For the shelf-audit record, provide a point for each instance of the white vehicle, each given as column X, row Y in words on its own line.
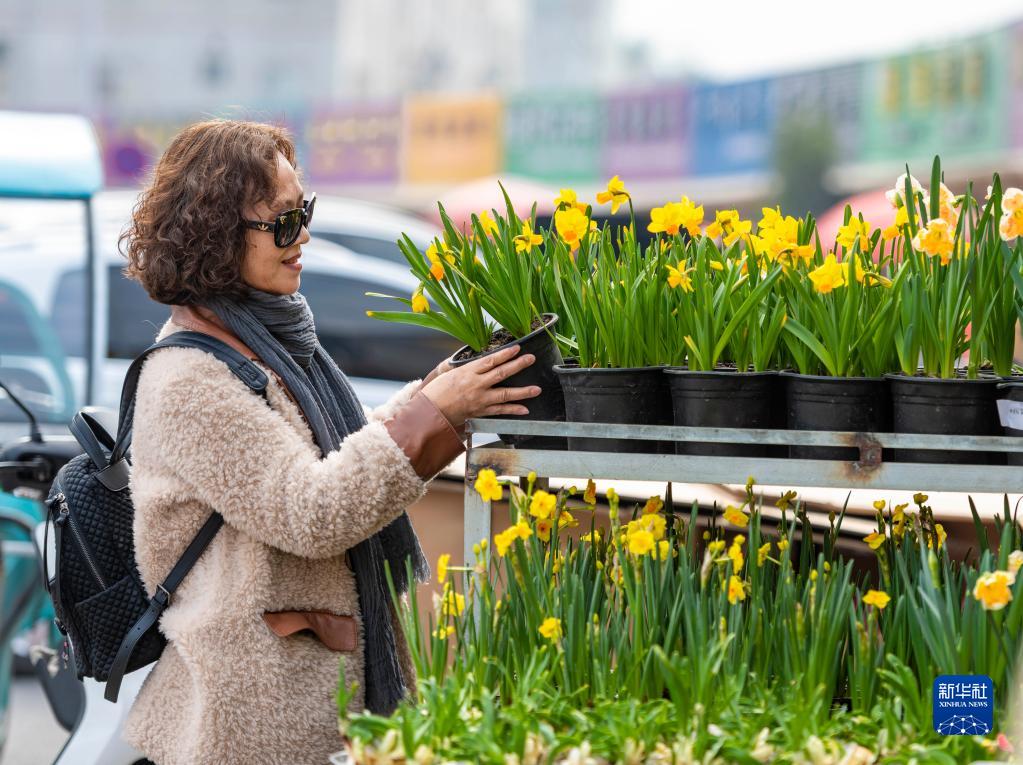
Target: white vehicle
column 369, row 229
column 41, row 254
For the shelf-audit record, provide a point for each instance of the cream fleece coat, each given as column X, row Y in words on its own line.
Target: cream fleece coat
column 227, row 690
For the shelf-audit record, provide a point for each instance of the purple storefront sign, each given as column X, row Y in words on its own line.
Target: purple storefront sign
column 647, row 134
column 357, row 144
column 1016, row 86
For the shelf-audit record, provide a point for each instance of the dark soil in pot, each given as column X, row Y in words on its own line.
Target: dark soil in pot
column 550, row 404
column 1010, row 413
column 856, row 404
column 952, row 407
column 632, row 396
column 726, row 399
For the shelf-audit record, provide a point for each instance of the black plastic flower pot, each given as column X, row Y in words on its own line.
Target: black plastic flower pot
column 856, row 404
column 1010, row 413
column 726, row 399
column 947, row 407
column 550, row 404
column 630, row 396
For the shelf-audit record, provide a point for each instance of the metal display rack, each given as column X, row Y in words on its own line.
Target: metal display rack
column 870, row 471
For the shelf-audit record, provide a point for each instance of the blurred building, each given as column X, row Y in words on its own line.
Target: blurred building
column 388, row 48
column 144, row 57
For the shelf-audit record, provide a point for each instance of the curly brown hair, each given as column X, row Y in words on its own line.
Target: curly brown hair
column 186, row 240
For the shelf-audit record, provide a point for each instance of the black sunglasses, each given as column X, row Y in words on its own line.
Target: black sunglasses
column 287, row 225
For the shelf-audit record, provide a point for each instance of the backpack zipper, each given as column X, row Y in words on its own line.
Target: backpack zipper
column 65, row 517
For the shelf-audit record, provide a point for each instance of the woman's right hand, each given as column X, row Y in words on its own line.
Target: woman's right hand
column 468, row 391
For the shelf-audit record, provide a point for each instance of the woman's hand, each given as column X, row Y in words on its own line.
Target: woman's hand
column 468, row 391
column 437, row 371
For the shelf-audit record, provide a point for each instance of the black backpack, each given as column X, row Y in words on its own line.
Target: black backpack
column 101, row 605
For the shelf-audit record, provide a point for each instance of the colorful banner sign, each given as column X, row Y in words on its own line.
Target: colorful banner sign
column 834, row 95
column 648, row 133
column 554, row 137
column 949, row 101
column 451, row 139
column 354, row 144
column 1016, row 85
column 131, row 148
column 733, row 128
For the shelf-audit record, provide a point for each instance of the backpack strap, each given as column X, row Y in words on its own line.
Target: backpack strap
column 257, row 380
column 242, row 368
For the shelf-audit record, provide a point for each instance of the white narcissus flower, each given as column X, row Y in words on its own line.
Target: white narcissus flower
column 1015, row 561
column 1012, row 200
column 894, row 196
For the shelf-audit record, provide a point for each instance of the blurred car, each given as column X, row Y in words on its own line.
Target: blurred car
column 369, row 229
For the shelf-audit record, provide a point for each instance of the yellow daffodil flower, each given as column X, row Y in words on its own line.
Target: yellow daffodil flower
column 543, row 529
column 828, row 276
column 901, row 221
column 736, row 517
column 550, row 629
column 433, row 254
column 593, row 537
column 935, row 240
column 762, row 553
column 879, row 505
column 994, row 590
column 877, row 598
column 663, row 550
column 737, row 558
column 875, row 540
column 590, row 494
column 571, row 226
column 487, row 485
column 568, row 199
column 653, row 505
column 942, row 536
column 736, row 590
column 565, row 518
column 437, row 270
column 919, row 498
column 785, row 500
column 729, row 226
column 453, row 603
column 419, row 303
column 678, row 276
column 488, row 224
column 692, row 216
column 443, row 633
column 666, row 220
column 615, row 194
column 783, row 545
column 543, row 504
column 771, row 216
column 854, row 230
column 641, row 542
column 715, row 547
column 442, row 567
column 527, row 240
column 716, row 265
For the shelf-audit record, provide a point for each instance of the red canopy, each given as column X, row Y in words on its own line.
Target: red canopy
column 462, row 201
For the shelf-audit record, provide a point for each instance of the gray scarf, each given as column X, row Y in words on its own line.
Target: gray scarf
column 280, row 330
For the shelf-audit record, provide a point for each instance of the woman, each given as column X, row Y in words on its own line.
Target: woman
column 313, row 495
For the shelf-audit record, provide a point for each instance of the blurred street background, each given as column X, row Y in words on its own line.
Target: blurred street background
column 396, row 104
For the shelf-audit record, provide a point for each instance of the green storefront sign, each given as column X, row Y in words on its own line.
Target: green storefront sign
column 950, row 101
column 554, row 137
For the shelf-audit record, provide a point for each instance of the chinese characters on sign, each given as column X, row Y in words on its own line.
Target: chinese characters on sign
column 963, row 705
